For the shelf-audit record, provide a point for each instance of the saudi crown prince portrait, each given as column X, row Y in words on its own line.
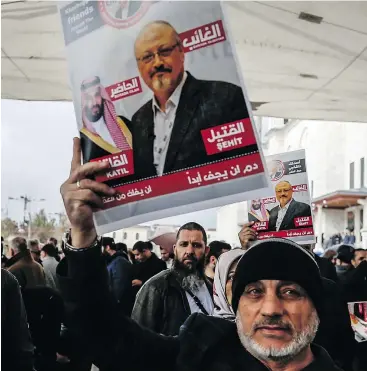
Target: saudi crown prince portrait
column 103, row 132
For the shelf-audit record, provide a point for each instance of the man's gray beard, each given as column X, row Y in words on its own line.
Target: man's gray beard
column 161, row 83
column 300, row 341
column 192, row 282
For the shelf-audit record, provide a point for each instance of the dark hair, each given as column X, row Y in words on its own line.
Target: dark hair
column 50, row 250
column 192, row 226
column 141, row 246
column 216, row 248
column 54, row 240
column 33, row 243
column 345, row 253
column 109, row 241
column 150, row 245
column 120, row 246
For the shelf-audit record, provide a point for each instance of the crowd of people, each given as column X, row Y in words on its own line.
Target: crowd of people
column 265, row 305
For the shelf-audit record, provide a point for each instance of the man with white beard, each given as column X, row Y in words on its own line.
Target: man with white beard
column 276, row 294
column 165, row 301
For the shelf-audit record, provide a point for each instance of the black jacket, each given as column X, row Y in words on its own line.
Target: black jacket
column 120, row 271
column 116, row 342
column 354, row 285
column 335, row 325
column 295, row 210
column 146, row 270
column 161, row 305
column 203, row 104
column 16, row 347
column 327, row 268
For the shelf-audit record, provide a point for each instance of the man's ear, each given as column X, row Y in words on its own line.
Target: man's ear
column 207, row 248
column 213, row 260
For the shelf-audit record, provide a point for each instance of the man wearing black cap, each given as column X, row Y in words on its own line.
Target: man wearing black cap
column 278, row 305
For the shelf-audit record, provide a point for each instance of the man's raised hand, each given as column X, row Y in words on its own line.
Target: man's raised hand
column 82, row 197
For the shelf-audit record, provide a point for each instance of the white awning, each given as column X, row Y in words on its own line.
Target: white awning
column 305, row 60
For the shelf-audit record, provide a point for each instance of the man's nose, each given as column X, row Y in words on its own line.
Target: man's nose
column 272, row 305
column 157, row 61
column 189, row 249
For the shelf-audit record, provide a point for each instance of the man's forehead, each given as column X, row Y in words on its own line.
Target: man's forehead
column 93, row 89
column 153, row 35
column 282, row 184
column 194, row 235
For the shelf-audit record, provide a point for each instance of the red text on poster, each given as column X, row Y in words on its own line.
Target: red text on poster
column 124, row 89
column 121, row 165
column 305, row 221
column 228, row 136
column 203, row 36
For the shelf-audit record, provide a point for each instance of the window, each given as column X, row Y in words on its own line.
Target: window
column 362, row 172
column 208, row 236
column 351, row 175
column 137, row 236
column 125, row 236
column 114, row 235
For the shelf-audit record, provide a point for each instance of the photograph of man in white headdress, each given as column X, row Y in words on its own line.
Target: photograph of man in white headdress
column 258, row 212
column 103, row 132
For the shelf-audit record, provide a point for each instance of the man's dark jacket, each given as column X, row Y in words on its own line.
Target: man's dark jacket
column 161, row 304
column 295, row 210
column 146, row 270
column 16, row 347
column 120, row 272
column 354, row 285
column 327, row 268
column 115, row 341
column 335, row 325
column 203, row 104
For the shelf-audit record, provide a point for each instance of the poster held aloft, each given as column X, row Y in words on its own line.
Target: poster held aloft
column 158, row 94
column 287, row 211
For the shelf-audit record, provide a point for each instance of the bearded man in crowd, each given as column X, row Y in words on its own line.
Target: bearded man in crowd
column 165, row 301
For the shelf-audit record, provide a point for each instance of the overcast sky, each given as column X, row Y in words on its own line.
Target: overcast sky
column 36, row 149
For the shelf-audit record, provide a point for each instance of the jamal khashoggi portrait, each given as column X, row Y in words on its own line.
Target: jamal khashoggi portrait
column 103, row 132
column 166, row 130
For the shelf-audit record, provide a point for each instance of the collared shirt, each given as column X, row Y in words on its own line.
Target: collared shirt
column 204, row 296
column 101, row 129
column 163, row 124
column 281, row 214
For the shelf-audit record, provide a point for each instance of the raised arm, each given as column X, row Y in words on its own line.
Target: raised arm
column 111, row 338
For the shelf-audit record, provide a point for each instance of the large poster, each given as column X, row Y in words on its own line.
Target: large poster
column 158, row 94
column 286, row 212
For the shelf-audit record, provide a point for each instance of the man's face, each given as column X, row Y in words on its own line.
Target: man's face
column 359, row 257
column 160, row 58
column 284, row 193
column 164, row 255
column 276, row 319
column 93, row 103
column 140, row 256
column 256, row 204
column 190, row 250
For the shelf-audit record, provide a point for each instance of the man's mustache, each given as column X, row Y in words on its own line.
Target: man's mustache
column 160, row 69
column 272, row 321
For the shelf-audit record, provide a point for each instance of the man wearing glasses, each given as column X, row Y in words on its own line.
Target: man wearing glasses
column 166, row 130
column 282, row 216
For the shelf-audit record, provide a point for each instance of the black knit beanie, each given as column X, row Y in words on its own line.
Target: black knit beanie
column 278, row 259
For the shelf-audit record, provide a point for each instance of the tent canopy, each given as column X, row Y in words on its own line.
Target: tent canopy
column 305, row 60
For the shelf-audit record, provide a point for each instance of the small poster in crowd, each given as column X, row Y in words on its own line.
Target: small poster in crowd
column 158, row 94
column 358, row 318
column 286, row 212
